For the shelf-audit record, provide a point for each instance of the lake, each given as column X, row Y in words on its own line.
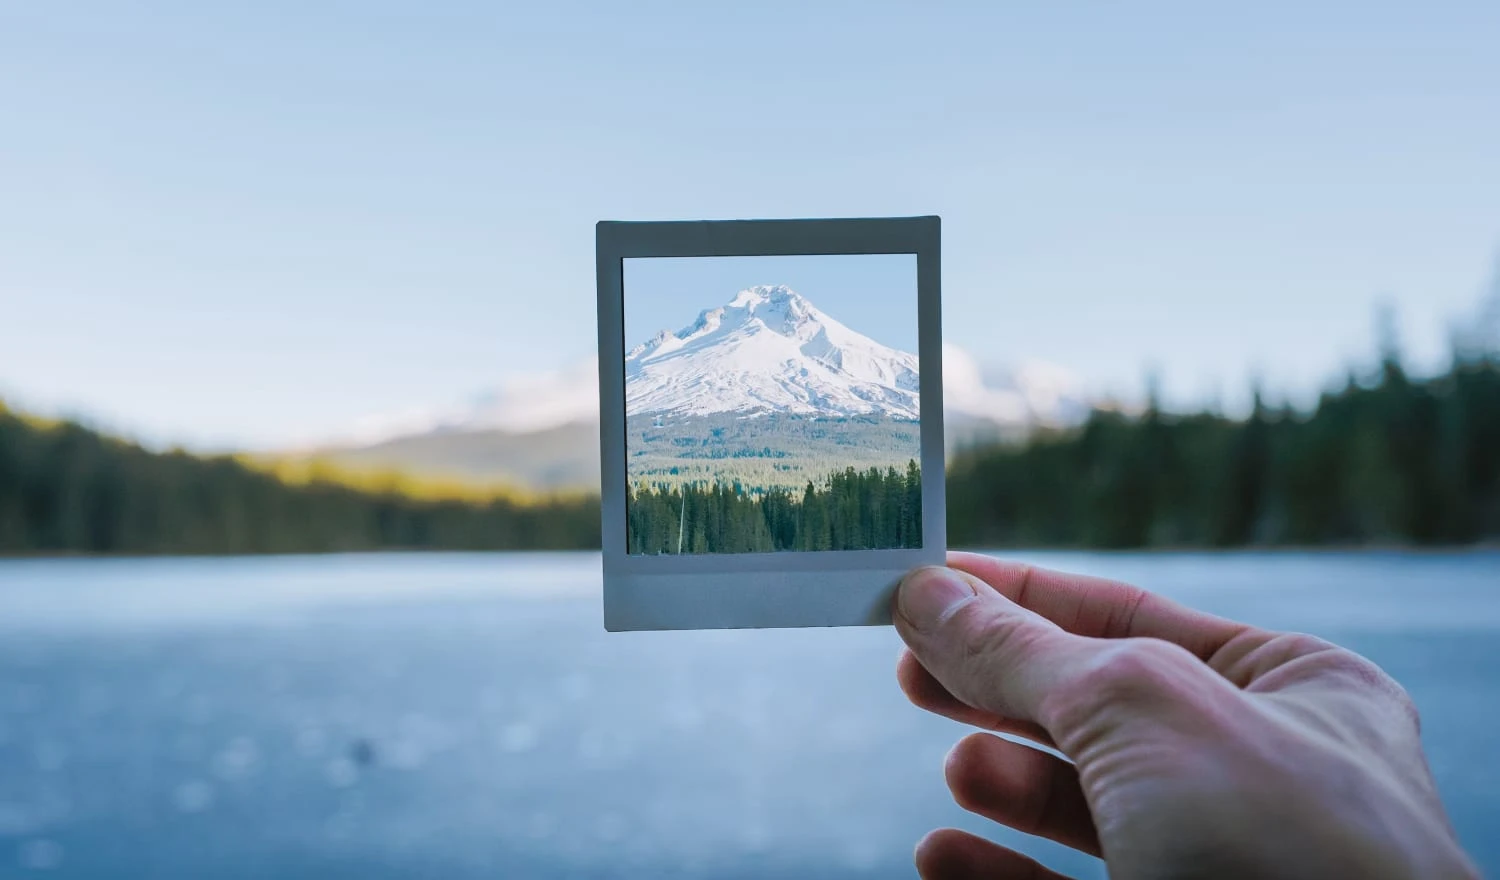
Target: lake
column 457, row 715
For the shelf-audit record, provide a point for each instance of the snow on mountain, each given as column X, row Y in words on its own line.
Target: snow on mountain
column 769, row 350
column 979, row 401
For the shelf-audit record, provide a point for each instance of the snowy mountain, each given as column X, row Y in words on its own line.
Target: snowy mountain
column 769, row 350
column 541, row 429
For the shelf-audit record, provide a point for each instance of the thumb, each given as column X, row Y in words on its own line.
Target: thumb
column 997, row 656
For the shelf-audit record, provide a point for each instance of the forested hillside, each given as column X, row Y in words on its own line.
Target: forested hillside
column 847, row 510
column 1393, row 461
column 66, row 489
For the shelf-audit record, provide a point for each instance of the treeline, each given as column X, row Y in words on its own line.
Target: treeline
column 1389, row 461
column 67, row 489
column 849, row 510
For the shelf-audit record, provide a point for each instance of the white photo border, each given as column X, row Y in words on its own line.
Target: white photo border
column 786, row 588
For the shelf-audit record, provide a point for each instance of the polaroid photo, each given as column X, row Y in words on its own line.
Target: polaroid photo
column 771, row 415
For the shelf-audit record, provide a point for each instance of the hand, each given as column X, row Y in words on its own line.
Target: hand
column 1200, row 747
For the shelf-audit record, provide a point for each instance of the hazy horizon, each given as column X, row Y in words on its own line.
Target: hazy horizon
column 245, row 227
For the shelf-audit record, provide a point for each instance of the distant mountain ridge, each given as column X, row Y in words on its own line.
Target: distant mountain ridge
column 541, row 430
column 560, row 457
column 770, row 350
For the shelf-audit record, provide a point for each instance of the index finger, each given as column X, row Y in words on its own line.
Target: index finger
column 1101, row 608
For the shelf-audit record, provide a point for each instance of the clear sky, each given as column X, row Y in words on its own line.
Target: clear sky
column 874, row 294
column 239, row 224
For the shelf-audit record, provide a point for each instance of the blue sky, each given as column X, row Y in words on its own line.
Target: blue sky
column 240, row 224
column 874, row 294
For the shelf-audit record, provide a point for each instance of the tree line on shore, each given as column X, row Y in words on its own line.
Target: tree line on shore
column 65, row 489
column 847, row 510
column 1391, row 460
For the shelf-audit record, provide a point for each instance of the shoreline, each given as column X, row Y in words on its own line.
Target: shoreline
column 1478, row 548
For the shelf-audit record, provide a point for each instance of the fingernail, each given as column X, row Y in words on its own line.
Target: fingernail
column 929, row 596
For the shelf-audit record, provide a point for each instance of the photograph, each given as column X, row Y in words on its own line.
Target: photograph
column 772, row 404
column 627, row 441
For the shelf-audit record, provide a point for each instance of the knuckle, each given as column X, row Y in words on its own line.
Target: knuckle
column 1366, row 675
column 1009, row 786
column 1357, row 675
column 992, row 638
column 1344, row 662
column 967, row 786
column 986, row 637
column 989, row 643
column 1303, row 644
column 1127, row 671
column 1134, row 666
column 1406, row 706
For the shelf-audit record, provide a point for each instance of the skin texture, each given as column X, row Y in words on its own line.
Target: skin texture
column 1196, row 746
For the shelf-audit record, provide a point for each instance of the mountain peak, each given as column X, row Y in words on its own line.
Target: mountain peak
column 769, row 349
column 777, row 306
column 766, row 294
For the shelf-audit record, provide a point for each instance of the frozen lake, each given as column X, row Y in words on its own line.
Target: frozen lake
column 457, row 716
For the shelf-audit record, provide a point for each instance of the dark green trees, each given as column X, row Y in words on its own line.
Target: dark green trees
column 66, row 489
column 1390, row 461
column 850, row 510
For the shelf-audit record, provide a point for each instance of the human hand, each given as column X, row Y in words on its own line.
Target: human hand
column 1200, row 747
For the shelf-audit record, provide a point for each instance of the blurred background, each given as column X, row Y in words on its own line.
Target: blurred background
column 298, row 422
